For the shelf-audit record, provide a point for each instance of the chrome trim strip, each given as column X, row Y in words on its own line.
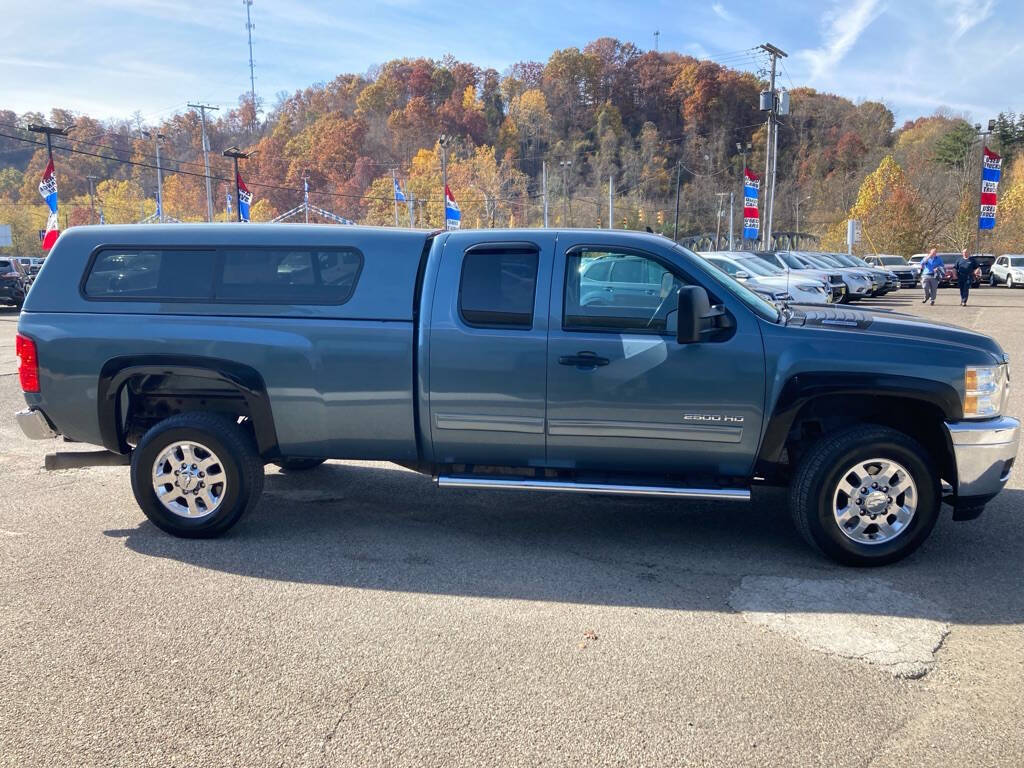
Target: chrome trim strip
column 712, row 433
column 487, row 423
column 665, row 491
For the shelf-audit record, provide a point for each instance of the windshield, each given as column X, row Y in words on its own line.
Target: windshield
column 792, row 261
column 758, row 267
column 848, row 261
column 758, row 305
column 894, row 261
column 820, row 260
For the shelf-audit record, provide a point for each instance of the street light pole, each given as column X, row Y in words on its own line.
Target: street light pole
column 236, row 154
column 981, row 173
column 565, row 165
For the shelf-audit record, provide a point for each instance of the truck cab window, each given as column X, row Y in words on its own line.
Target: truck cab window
column 614, row 291
column 497, row 287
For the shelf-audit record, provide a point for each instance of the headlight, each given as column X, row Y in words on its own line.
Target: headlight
column 985, row 390
column 1018, row 274
column 808, row 287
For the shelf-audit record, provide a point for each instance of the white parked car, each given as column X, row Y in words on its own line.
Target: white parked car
column 763, row 277
column 1008, row 270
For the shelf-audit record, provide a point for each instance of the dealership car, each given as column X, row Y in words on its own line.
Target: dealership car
column 884, row 280
column 1008, row 270
column 14, row 282
column 860, row 283
column 759, row 275
column 906, row 273
column 787, row 262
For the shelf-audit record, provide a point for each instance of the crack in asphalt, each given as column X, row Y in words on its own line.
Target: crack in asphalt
column 344, row 713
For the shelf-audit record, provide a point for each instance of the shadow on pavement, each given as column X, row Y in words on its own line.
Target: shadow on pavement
column 390, row 529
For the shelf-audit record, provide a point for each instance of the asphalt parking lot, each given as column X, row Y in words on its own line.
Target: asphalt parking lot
column 362, row 617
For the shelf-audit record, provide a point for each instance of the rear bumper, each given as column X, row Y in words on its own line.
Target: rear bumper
column 35, row 425
column 984, row 452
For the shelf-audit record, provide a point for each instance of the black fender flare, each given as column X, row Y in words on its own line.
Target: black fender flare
column 802, row 388
column 116, row 372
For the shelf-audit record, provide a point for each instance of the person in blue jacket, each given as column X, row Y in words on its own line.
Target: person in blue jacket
column 966, row 268
column 932, row 270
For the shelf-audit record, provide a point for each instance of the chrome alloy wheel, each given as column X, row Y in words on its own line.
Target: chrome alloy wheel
column 874, row 501
column 189, row 480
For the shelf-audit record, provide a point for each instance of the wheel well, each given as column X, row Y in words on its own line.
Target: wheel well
column 825, row 414
column 150, row 398
column 134, row 393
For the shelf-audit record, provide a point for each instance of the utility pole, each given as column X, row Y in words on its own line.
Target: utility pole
column 657, row 34
column 611, row 203
column 544, row 188
column 236, row 154
column 249, row 27
column 305, row 195
column 92, row 202
column 981, row 173
column 718, row 225
column 679, row 178
column 771, row 144
column 206, row 156
column 565, row 165
column 159, row 174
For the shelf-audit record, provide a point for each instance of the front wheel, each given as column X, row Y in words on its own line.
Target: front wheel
column 1009, row 281
column 195, row 474
column 992, row 281
column 866, row 496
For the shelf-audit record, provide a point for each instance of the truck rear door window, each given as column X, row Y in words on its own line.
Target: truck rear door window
column 498, row 286
column 273, row 276
column 162, row 275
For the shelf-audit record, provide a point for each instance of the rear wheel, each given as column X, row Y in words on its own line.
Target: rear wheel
column 866, row 496
column 298, row 465
column 195, row 474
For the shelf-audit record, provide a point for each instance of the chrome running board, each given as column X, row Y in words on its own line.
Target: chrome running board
column 661, row 491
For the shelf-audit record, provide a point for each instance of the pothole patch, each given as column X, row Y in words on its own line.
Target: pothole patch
column 866, row 619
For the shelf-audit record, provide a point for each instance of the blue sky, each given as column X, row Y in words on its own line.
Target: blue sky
column 112, row 57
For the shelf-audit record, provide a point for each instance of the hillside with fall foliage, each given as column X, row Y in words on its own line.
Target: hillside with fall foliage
column 608, row 111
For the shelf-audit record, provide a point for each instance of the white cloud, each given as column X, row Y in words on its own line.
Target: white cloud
column 721, row 12
column 842, row 30
column 966, row 14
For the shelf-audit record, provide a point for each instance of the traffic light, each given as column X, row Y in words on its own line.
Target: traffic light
column 640, row 214
column 661, row 218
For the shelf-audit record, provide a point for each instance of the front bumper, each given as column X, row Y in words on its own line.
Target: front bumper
column 984, row 452
column 35, row 425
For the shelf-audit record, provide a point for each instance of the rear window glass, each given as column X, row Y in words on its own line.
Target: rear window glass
column 270, row 276
column 497, row 288
column 157, row 274
column 289, row 276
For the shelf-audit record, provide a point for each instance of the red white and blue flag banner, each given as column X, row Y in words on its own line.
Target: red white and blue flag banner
column 48, row 190
column 751, row 217
column 244, row 199
column 452, row 214
column 990, row 172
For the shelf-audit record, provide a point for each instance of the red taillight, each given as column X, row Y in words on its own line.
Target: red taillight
column 28, row 363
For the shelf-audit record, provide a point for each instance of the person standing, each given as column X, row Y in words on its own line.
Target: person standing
column 932, row 269
column 966, row 268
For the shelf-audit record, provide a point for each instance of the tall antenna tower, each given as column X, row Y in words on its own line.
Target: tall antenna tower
column 249, row 27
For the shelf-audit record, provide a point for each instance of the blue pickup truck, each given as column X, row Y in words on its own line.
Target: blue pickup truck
column 498, row 359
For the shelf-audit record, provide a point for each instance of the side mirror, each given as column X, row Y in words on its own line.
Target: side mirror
column 694, row 306
column 741, row 275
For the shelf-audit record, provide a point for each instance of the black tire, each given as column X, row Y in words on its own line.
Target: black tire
column 298, row 465
column 236, row 452
column 820, row 470
column 992, row 280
